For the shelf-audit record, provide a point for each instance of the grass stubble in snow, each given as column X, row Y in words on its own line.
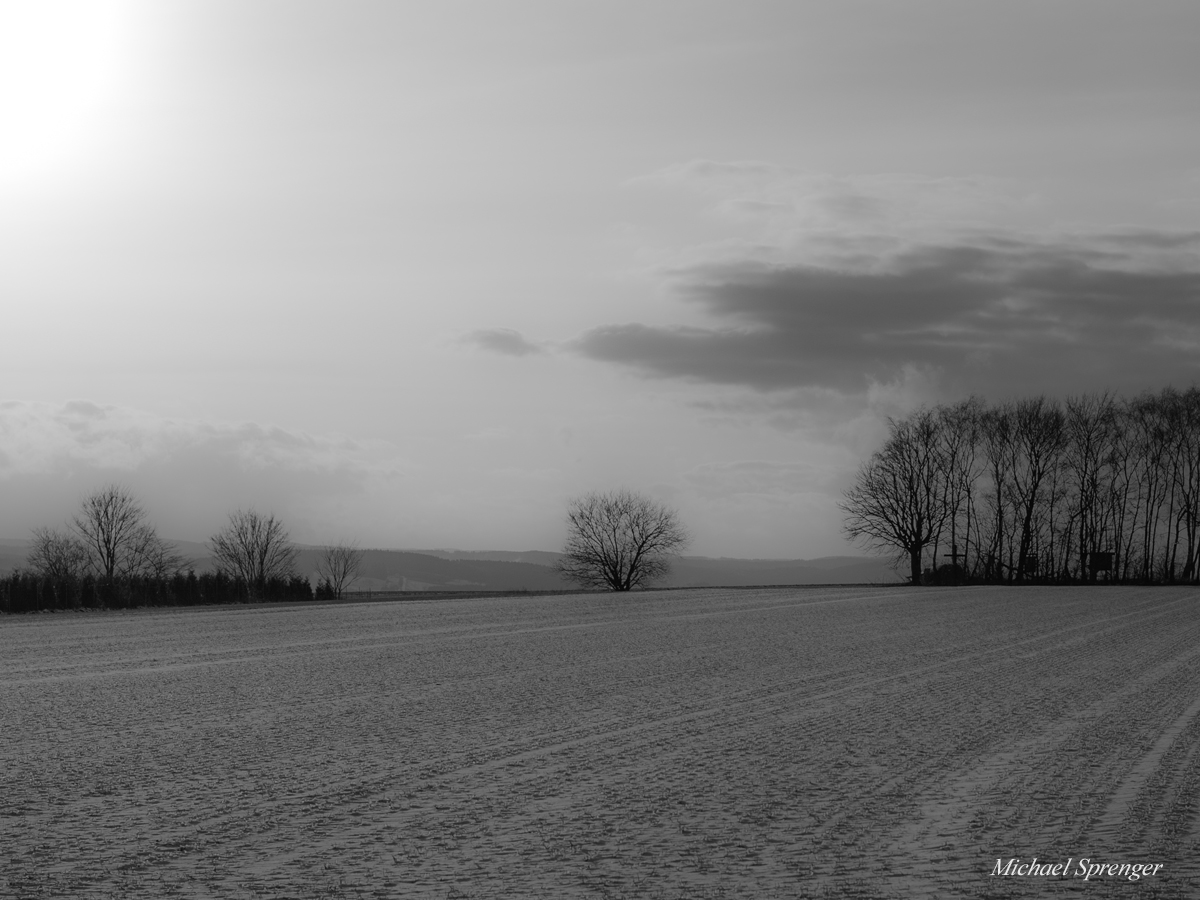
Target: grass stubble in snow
column 835, row 742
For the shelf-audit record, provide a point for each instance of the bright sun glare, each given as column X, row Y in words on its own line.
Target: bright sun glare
column 60, row 66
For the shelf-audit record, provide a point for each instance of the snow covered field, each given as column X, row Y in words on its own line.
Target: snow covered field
column 849, row 742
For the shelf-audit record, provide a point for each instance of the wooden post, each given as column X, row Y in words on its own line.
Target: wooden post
column 953, row 554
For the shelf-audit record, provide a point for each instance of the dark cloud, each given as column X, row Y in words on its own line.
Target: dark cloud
column 1189, row 240
column 504, row 340
column 996, row 316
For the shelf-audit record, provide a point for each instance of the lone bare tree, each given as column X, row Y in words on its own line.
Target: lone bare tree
column 620, row 540
column 338, row 567
column 255, row 548
column 898, row 501
column 118, row 540
column 57, row 554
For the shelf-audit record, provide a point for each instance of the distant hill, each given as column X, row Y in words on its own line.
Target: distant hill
column 532, row 570
column 699, row 571
column 400, row 570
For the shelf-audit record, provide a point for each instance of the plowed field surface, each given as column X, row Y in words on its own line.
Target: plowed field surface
column 679, row 744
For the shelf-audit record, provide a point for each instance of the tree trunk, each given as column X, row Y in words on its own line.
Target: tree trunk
column 914, row 563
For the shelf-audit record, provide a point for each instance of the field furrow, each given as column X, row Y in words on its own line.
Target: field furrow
column 717, row 743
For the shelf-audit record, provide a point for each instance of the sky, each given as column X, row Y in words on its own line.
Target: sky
column 416, row 274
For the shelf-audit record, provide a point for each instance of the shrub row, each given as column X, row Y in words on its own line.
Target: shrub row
column 24, row 592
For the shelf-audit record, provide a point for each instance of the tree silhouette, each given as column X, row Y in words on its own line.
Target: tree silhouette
column 254, row 548
column 899, row 500
column 338, row 567
column 119, row 541
column 619, row 540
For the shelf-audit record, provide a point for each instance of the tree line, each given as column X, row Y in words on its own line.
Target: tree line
column 109, row 556
column 1097, row 487
column 1094, row 488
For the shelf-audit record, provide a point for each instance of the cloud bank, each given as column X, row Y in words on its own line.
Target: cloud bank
column 1016, row 315
column 844, row 284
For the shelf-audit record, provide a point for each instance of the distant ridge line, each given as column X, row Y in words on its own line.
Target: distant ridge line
column 368, row 596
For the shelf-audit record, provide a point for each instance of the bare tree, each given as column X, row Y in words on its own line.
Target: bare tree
column 996, row 440
column 1039, row 434
column 338, row 567
column 1089, row 460
column 57, row 554
column 160, row 559
column 255, row 548
column 958, row 438
column 119, row 542
column 620, row 540
column 898, row 501
column 1184, row 416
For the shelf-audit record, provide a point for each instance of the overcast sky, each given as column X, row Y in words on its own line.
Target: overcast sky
column 417, row 273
